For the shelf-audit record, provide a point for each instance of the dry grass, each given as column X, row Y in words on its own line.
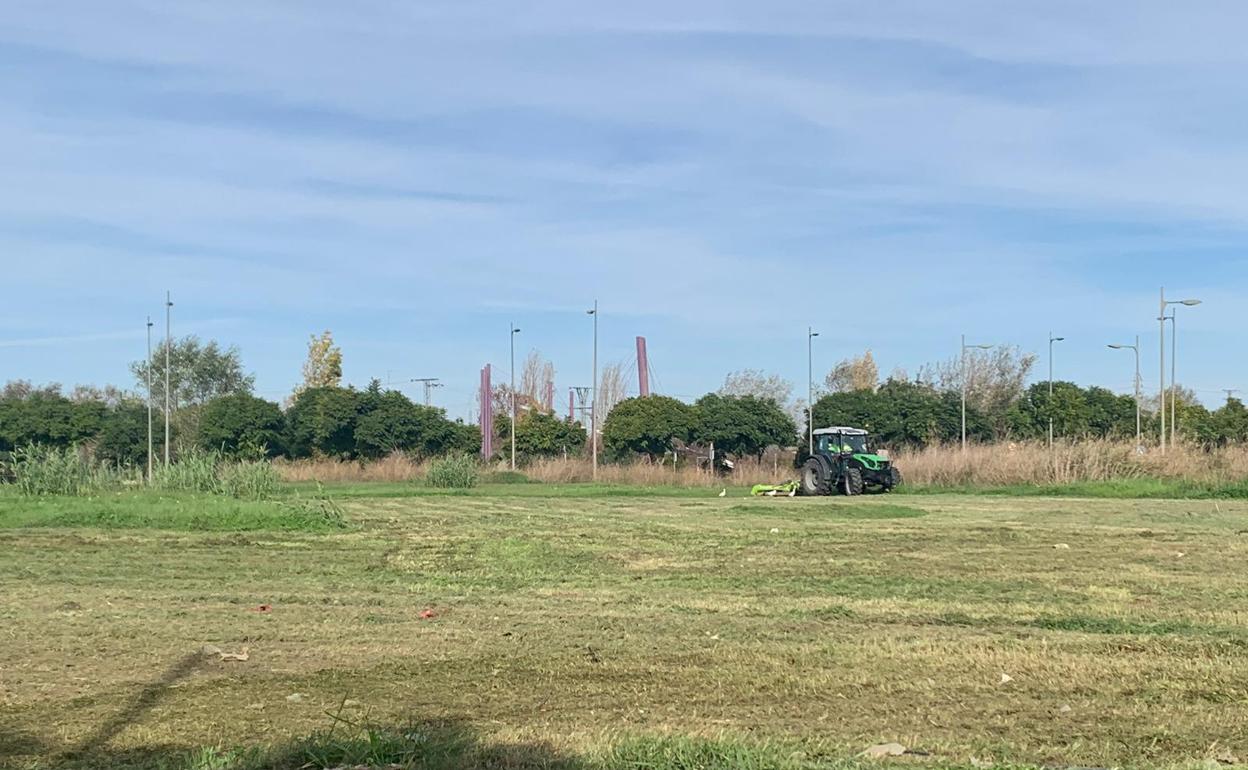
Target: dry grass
column 1088, row 461
column 573, row 623
column 401, row 468
column 396, row 467
column 982, row 465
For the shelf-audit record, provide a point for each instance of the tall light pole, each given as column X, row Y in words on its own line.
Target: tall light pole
column 168, row 386
column 810, row 388
column 514, row 332
column 149, row 401
column 593, row 397
column 1161, row 321
column 1139, row 439
column 966, row 347
column 1052, row 339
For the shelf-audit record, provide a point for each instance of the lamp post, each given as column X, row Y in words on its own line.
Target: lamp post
column 966, row 347
column 168, row 385
column 514, row 332
column 1161, row 321
column 1052, row 339
column 810, row 388
column 593, row 398
column 1136, row 347
column 149, row 400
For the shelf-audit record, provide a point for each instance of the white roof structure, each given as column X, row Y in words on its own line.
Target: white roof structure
column 842, row 431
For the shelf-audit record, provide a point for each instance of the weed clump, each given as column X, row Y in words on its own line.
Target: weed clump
column 252, row 480
column 453, row 472
column 42, row 470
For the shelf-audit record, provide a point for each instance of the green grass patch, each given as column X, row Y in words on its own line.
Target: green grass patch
column 1104, row 625
column 1127, row 489
column 187, row 511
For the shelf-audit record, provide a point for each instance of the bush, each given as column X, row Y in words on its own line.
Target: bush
column 647, row 425
column 249, row 480
column 241, row 425
column 43, row 470
column 195, row 471
column 453, row 472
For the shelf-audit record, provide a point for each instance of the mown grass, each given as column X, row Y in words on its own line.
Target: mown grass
column 599, row 631
column 185, row 511
column 1123, row 489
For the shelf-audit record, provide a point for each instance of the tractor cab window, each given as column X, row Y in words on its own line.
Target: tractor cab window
column 838, row 442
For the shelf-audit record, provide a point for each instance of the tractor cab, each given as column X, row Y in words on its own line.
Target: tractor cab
column 848, row 441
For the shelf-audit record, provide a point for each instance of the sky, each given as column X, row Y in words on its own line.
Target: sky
column 416, row 177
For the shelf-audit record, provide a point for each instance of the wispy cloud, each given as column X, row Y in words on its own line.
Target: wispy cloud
column 719, row 174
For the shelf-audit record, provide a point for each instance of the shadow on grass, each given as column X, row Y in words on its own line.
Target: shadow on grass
column 429, row 744
column 350, row 743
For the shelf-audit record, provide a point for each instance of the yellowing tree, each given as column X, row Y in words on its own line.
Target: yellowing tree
column 324, row 365
column 853, row 374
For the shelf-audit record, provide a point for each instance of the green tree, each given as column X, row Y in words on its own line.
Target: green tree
column 902, row 413
column 465, row 439
column 540, row 434
column 198, row 372
column 123, row 434
column 741, row 425
column 242, row 425
column 647, row 425
column 391, row 422
column 322, row 422
column 48, row 418
column 1230, row 423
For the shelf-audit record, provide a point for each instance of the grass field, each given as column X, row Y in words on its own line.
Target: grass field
column 585, row 627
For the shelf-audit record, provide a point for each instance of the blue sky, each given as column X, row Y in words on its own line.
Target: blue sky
column 415, row 176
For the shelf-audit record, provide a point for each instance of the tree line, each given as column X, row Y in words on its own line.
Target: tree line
column 214, row 408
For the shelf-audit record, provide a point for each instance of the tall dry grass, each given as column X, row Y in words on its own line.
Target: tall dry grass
column 1036, row 464
column 394, row 467
column 401, row 468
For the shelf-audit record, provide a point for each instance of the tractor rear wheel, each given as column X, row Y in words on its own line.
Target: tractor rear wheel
column 894, row 479
column 815, row 479
column 854, row 485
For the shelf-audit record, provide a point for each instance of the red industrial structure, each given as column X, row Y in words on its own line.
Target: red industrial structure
column 643, row 368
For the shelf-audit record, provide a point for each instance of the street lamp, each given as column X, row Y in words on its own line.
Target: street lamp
column 514, row 332
column 168, row 386
column 810, row 388
column 593, row 398
column 1052, row 339
column 966, row 347
column 149, row 400
column 1136, row 347
column 1161, row 320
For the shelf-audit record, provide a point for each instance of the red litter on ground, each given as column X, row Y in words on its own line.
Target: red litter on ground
column 263, row 608
column 426, row 614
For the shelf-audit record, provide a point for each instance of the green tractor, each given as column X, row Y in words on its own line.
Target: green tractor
column 843, row 463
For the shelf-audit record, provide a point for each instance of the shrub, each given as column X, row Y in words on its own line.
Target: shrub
column 195, row 471
column 647, row 425
column 255, row 480
column 241, row 425
column 453, row 472
column 43, row 470
column 507, row 477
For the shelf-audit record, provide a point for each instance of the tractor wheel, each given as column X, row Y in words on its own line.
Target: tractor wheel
column 853, row 482
column 814, row 479
column 894, row 479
